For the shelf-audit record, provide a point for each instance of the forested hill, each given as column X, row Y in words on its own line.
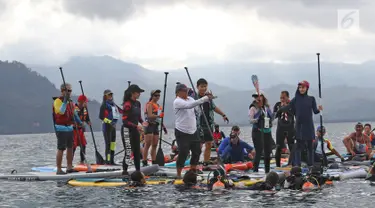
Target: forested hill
column 26, row 100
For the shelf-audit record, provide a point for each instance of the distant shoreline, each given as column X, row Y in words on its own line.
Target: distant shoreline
column 220, row 124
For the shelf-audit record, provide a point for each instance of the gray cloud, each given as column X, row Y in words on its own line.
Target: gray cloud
column 319, row 13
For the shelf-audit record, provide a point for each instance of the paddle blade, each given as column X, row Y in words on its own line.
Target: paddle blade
column 99, row 158
column 254, row 79
column 160, row 157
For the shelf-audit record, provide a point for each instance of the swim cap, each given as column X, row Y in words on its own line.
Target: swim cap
column 272, row 178
column 296, row 171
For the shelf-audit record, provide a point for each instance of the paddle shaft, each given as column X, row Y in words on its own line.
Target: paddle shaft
column 325, row 162
column 162, row 110
column 204, row 116
column 92, row 132
column 256, row 85
column 78, row 135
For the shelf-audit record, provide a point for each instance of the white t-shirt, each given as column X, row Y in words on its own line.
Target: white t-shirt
column 185, row 119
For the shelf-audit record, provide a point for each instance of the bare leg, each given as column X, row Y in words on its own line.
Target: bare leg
column 155, row 141
column 148, row 143
column 179, row 170
column 69, row 158
column 59, row 158
column 207, row 151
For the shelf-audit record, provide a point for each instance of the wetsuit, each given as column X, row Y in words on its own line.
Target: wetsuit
column 259, row 117
column 131, row 117
column 302, row 107
column 109, row 114
column 79, row 133
column 285, row 130
column 260, row 186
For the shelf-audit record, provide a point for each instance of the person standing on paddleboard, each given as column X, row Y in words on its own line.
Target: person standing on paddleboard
column 303, row 106
column 64, row 116
column 285, row 128
column 261, row 118
column 131, row 117
column 186, row 127
column 109, row 114
column 153, row 114
column 208, row 109
column 79, row 132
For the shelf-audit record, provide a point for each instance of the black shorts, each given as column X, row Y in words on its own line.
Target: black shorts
column 152, row 129
column 205, row 135
column 64, row 139
column 187, row 143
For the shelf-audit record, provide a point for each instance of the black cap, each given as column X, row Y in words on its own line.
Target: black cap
column 235, row 128
column 134, row 88
column 216, row 125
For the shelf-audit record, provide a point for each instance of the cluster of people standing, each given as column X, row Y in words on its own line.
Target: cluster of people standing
column 194, row 126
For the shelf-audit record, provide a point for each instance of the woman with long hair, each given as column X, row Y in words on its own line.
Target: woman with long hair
column 109, row 114
column 261, row 118
column 132, row 116
column 153, row 114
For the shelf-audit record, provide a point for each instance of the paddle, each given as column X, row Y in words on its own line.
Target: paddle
column 98, row 156
column 89, row 170
column 160, row 154
column 324, row 162
column 220, row 163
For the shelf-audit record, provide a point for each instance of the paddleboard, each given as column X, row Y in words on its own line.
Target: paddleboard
column 45, row 176
column 81, row 167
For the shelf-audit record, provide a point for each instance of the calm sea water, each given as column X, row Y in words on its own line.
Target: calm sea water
column 22, row 152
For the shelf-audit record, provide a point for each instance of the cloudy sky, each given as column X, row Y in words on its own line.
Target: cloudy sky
column 171, row 33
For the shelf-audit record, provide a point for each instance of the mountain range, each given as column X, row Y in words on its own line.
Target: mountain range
column 347, row 88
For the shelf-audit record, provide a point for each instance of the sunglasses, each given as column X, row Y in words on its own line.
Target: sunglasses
column 68, row 90
column 157, row 95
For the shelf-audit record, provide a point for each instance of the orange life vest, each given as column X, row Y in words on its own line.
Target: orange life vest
column 82, row 115
column 67, row 117
column 155, row 108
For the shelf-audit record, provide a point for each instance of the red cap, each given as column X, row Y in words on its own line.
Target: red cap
column 304, row 83
column 82, row 98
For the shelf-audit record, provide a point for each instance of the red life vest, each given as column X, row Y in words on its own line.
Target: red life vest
column 217, row 135
column 67, row 117
column 155, row 109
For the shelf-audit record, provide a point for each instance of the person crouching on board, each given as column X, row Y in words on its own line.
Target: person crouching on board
column 225, row 142
column 358, row 144
column 64, row 116
column 318, row 157
column 79, row 131
column 186, row 127
column 234, row 151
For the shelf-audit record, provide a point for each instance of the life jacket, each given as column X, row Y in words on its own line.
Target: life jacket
column 81, row 113
column 156, row 108
column 217, row 135
column 67, row 118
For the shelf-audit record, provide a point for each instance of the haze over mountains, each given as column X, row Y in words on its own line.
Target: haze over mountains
column 347, row 88
column 26, row 95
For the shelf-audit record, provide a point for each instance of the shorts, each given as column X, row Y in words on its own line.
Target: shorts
column 152, row 129
column 186, row 143
column 205, row 135
column 64, row 139
column 81, row 140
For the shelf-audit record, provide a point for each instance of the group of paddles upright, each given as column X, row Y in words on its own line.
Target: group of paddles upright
column 194, row 126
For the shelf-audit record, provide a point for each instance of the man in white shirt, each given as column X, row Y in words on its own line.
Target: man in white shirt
column 186, row 127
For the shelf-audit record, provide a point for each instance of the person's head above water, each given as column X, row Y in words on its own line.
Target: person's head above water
column 272, row 178
column 190, row 178
column 138, row 177
column 296, row 171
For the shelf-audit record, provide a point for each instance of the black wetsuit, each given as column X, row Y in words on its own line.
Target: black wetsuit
column 285, row 129
column 131, row 117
